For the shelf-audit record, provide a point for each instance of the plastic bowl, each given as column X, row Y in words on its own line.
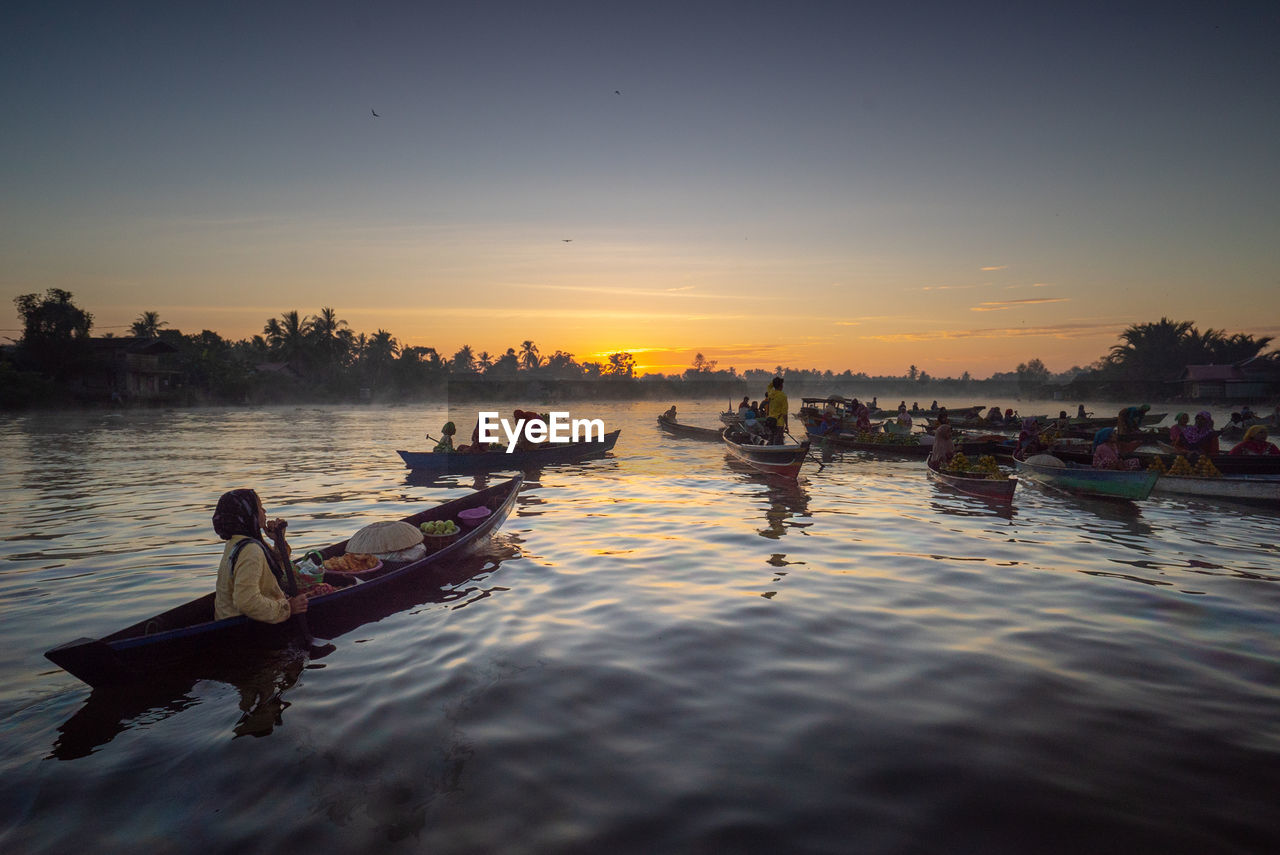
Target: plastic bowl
column 472, row 517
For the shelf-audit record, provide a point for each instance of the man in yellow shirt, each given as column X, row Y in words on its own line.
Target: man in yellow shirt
column 777, row 409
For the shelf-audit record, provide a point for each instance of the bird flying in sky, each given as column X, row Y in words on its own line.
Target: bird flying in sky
column 375, row 114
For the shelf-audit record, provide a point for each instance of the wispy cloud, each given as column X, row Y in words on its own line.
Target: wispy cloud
column 998, row 267
column 948, row 287
column 1061, row 331
column 996, row 306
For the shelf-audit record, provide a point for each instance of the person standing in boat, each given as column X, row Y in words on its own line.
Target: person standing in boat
column 777, row 410
column 251, row 578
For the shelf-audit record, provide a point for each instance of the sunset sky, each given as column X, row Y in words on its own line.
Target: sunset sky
column 956, row 186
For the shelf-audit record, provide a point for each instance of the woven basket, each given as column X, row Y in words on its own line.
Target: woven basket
column 436, row 542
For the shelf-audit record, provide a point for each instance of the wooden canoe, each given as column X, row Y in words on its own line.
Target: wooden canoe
column 1084, row 480
column 849, row 442
column 1000, row 489
column 784, row 460
column 674, row 428
column 189, row 632
column 1252, row 489
column 498, row 460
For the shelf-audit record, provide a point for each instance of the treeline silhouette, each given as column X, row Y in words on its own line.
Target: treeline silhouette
column 312, row 358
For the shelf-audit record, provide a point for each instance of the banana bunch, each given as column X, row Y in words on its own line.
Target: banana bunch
column 987, row 467
column 959, row 464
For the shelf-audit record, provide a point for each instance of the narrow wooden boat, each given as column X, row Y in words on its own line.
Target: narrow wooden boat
column 189, row 631
column 899, row 446
column 1084, row 480
column 784, row 460
column 683, row 431
column 498, row 460
column 1000, row 489
column 1227, row 464
column 1252, row 489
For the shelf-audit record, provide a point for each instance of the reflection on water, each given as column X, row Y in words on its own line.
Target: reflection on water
column 661, row 651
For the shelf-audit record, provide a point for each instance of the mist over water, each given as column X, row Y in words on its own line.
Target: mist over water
column 658, row 652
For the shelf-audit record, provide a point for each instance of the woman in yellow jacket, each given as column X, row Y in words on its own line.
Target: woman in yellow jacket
column 251, row 580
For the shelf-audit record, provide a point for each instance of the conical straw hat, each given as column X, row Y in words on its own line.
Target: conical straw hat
column 383, row 537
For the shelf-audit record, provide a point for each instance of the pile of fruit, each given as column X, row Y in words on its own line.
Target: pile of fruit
column 888, row 438
column 985, row 467
column 439, row 528
column 1203, row 468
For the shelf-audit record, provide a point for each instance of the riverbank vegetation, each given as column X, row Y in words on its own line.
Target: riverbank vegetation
column 313, row 358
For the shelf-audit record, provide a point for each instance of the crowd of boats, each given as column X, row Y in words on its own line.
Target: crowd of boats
column 974, row 453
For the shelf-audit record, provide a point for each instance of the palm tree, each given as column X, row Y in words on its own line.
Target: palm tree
column 529, row 357
column 463, row 362
column 147, row 325
column 484, row 360
column 287, row 337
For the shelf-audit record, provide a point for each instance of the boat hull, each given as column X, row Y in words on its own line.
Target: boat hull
column 783, row 460
column 1254, row 489
column 688, row 431
column 501, row 461
column 1086, row 481
column 189, row 632
column 997, row 489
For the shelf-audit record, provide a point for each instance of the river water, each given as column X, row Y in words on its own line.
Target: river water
column 658, row 653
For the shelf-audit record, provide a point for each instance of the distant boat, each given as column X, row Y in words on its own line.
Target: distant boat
column 1084, row 480
column 498, row 460
column 674, row 428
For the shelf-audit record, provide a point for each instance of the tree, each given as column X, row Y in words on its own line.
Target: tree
column 1031, row 374
column 463, row 362
column 701, row 366
column 147, row 325
column 620, row 365
column 1153, row 352
column 331, row 340
column 529, row 357
column 287, row 337
column 55, row 332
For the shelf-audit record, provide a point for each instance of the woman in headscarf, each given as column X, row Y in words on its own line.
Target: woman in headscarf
column 445, row 445
column 943, row 448
column 1255, row 442
column 1180, row 422
column 1201, row 436
column 1106, row 451
column 1029, row 439
column 251, row 578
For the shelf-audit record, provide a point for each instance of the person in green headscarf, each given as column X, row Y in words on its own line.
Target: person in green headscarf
column 445, row 445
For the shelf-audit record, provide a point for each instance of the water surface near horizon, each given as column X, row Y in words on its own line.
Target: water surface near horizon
column 659, row 652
